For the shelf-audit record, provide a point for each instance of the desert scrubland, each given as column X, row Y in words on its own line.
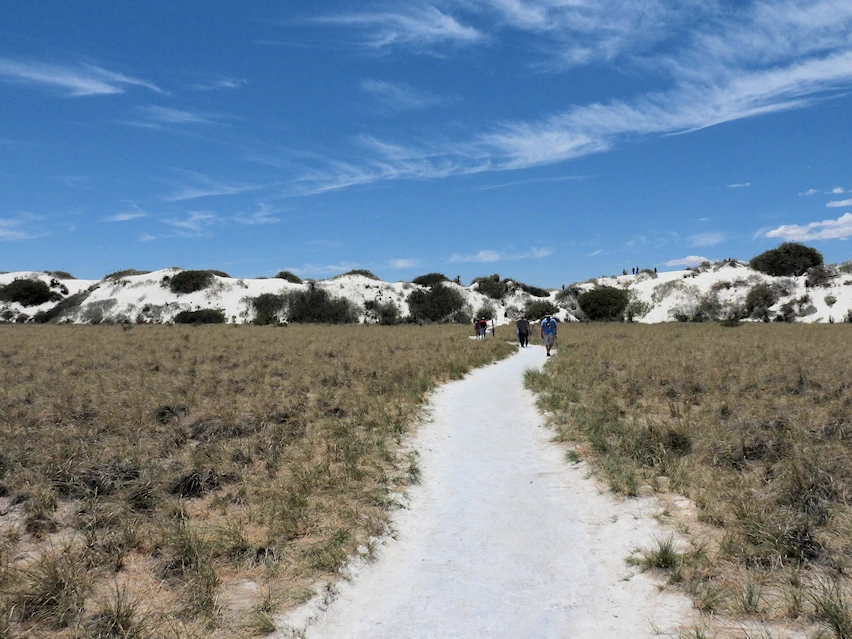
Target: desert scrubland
column 166, row 481
column 753, row 424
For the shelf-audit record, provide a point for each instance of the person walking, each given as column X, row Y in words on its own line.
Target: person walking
column 524, row 331
column 548, row 332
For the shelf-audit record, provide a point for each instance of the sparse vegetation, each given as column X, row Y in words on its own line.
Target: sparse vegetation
column 492, row 286
column 752, row 425
column 362, row 272
column 147, row 475
column 117, row 275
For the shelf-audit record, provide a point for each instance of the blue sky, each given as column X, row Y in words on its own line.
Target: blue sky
column 547, row 140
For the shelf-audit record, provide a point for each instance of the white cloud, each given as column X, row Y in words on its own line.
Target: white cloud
column 126, row 216
column 205, row 187
column 839, row 203
column 739, row 186
column 404, row 263
column 485, row 257
column 594, row 253
column 264, row 214
column 689, row 260
column 708, row 239
column 147, row 237
column 837, row 190
column 838, row 229
column 174, row 116
column 419, row 27
column 400, row 96
column 77, row 81
column 194, row 224
column 224, row 83
column 23, row 227
column 809, row 192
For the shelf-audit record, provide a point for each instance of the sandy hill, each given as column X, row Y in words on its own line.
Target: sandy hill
column 712, row 291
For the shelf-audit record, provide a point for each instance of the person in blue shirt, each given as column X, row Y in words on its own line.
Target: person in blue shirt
column 548, row 332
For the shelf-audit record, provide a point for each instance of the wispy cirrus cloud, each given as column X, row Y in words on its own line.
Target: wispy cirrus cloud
column 742, row 185
column 196, row 223
column 126, row 216
column 838, row 229
column 708, row 239
column 75, row 81
column 218, row 85
column 418, row 27
column 264, row 214
column 487, row 256
column 399, row 96
column 22, row 227
column 809, row 192
column 203, row 186
column 166, row 115
column 689, row 260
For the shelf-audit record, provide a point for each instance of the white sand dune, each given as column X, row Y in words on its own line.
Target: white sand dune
column 503, row 539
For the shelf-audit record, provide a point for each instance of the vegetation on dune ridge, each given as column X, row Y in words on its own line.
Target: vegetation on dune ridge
column 186, row 482
column 753, row 425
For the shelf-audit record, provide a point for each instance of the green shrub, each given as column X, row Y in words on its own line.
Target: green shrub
column 492, row 286
column 487, row 311
column 69, row 303
column 535, row 291
column 430, row 279
column 360, row 271
column 830, row 300
column 758, row 300
column 820, row 275
column 28, row 293
column 187, row 282
column 125, row 273
column 316, row 306
column 202, row 316
column 537, row 309
column 789, row 259
column 62, row 275
column 604, row 303
column 290, row 277
column 268, row 308
column 442, row 303
column 385, row 313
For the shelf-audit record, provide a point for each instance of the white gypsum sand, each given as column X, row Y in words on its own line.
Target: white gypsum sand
column 503, row 538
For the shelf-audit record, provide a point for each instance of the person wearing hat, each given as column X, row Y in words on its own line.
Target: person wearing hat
column 548, row 332
column 524, row 331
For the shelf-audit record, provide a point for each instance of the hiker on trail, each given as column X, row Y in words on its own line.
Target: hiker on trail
column 524, row 331
column 548, row 332
column 483, row 328
column 476, row 330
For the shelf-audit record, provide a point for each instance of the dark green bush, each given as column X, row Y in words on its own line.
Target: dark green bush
column 789, row 259
column 28, row 293
column 360, row 271
column 820, row 275
column 202, row 316
column 268, row 307
column 125, row 273
column 219, row 273
column 604, row 303
column 492, row 286
column 537, row 309
column 316, row 306
column 758, row 300
column 385, row 313
column 442, row 303
column 290, row 277
column 487, row 311
column 62, row 275
column 430, row 279
column 535, row 291
column 187, row 282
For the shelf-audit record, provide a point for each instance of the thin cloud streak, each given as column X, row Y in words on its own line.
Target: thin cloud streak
column 689, row 260
column 85, row 80
column 708, row 239
column 486, row 257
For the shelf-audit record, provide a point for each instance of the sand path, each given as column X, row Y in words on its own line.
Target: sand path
column 503, row 539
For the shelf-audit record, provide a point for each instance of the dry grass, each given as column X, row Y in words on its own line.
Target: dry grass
column 182, row 482
column 753, row 424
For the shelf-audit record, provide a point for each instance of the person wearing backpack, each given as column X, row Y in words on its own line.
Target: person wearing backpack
column 548, row 332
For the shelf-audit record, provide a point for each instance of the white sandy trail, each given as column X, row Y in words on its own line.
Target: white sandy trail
column 503, row 538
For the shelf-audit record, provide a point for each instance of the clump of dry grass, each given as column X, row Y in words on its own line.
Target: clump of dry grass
column 192, row 463
column 754, row 425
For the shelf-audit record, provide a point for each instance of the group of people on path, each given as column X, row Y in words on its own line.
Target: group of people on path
column 548, row 332
column 480, row 327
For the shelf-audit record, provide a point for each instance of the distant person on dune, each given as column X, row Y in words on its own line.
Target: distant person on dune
column 548, row 332
column 524, row 331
